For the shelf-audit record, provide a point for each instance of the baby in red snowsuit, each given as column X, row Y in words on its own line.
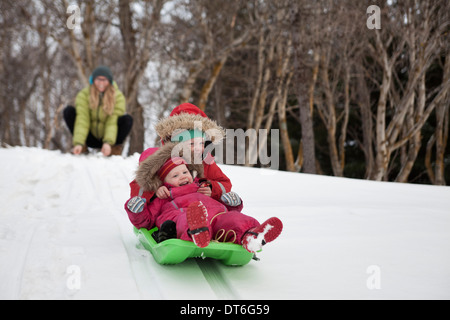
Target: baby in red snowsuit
column 198, row 217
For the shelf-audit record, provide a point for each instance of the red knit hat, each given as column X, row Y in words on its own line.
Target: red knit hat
column 188, row 117
column 170, row 164
column 187, row 108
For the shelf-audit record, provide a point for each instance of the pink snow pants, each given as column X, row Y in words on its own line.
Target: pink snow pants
column 227, row 226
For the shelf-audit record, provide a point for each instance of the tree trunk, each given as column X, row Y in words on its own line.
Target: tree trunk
column 210, row 83
column 137, row 56
column 284, row 78
column 329, row 116
column 382, row 152
column 415, row 143
column 363, row 100
column 442, row 128
column 260, row 102
column 188, row 86
column 307, row 142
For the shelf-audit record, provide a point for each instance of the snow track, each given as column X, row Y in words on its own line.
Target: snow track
column 217, row 280
column 71, row 214
column 65, row 235
column 146, row 272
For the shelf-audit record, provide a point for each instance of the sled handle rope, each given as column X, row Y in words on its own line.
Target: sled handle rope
column 221, row 235
column 210, row 222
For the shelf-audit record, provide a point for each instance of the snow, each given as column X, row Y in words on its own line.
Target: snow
column 65, row 235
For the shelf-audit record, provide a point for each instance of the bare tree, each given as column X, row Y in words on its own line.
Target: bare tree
column 137, row 48
column 274, row 74
column 305, row 32
column 20, row 74
column 213, row 33
column 313, row 70
column 440, row 135
column 409, row 115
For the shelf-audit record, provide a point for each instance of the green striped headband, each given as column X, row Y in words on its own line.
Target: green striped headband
column 186, row 135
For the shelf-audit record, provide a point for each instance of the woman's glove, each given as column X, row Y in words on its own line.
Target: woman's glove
column 136, row 204
column 231, row 199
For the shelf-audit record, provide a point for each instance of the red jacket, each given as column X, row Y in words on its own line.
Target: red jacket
column 220, row 183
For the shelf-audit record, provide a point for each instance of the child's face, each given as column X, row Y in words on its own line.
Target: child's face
column 179, row 176
column 197, row 146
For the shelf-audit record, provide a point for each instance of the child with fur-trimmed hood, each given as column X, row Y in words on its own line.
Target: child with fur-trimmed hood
column 190, row 125
column 197, row 216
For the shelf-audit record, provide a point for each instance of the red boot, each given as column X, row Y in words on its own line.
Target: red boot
column 198, row 224
column 255, row 238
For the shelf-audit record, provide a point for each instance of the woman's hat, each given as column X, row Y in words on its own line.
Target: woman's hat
column 101, row 71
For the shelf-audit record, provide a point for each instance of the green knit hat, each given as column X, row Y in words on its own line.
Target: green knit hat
column 101, row 71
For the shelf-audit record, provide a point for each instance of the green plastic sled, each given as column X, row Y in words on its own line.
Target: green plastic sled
column 174, row 251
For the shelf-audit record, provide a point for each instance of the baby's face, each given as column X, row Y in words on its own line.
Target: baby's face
column 179, row 176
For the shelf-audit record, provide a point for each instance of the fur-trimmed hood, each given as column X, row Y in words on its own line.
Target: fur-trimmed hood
column 168, row 127
column 146, row 174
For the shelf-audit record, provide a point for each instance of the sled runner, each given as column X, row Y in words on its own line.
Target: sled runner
column 174, row 251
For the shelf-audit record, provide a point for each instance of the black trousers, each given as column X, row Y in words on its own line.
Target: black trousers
column 124, row 124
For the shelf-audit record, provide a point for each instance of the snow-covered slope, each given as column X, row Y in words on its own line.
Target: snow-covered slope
column 65, row 235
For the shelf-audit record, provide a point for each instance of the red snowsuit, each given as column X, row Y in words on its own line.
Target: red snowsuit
column 227, row 224
column 219, row 182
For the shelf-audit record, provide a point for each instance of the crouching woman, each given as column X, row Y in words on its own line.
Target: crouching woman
column 98, row 119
